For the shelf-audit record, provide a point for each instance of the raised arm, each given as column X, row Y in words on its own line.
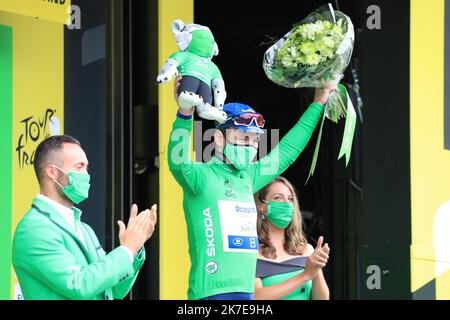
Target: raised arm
column 292, row 144
column 189, row 174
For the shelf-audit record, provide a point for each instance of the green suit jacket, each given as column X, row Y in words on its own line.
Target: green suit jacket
column 51, row 263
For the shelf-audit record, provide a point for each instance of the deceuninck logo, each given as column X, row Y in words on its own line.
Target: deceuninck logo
column 245, row 210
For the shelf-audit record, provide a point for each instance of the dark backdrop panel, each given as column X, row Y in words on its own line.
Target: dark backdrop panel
column 144, row 46
column 85, row 102
column 385, row 234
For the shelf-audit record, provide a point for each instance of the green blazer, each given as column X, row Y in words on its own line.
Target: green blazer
column 51, row 263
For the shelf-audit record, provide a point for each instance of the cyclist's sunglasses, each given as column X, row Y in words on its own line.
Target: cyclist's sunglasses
column 246, row 119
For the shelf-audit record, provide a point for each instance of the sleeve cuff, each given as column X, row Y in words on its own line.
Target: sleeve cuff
column 317, row 105
column 182, row 116
column 130, row 254
column 183, row 123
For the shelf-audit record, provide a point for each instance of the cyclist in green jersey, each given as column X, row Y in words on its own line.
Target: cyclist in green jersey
column 218, row 202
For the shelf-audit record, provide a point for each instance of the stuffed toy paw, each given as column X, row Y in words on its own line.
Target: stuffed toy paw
column 201, row 78
column 168, row 71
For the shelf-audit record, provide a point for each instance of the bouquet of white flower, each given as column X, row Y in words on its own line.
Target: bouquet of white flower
column 316, row 53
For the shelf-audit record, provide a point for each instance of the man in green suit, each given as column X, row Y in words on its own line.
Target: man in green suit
column 55, row 255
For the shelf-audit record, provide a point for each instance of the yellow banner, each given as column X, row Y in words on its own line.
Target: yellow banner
column 51, row 10
column 38, row 105
column 173, row 260
column 430, row 161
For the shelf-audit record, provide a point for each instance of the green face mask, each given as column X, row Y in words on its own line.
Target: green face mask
column 280, row 213
column 78, row 188
column 240, row 157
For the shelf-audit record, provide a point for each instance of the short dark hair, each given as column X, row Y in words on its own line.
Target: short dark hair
column 45, row 152
column 225, row 130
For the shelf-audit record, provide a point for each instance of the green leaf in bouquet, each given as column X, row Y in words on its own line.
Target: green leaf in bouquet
column 349, row 129
column 316, row 151
column 335, row 108
column 341, row 106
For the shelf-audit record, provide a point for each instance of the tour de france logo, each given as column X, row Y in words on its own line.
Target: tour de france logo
column 211, row 267
column 32, row 130
column 229, row 192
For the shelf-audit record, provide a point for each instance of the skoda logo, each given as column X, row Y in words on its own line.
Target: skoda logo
column 211, row 267
column 237, row 242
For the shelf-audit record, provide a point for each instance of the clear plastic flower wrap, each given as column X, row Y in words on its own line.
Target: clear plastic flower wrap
column 315, row 53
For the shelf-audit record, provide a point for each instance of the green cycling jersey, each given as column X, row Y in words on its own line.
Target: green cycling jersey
column 191, row 64
column 219, row 208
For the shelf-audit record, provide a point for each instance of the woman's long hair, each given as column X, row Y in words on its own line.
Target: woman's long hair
column 294, row 239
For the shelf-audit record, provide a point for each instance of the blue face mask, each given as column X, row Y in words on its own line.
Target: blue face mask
column 78, row 188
